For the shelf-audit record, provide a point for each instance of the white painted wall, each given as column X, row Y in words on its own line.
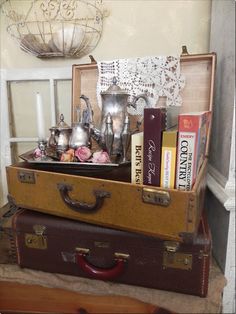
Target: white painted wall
column 221, row 178
column 133, row 28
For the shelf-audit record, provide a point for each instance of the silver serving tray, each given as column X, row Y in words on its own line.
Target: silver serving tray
column 71, row 167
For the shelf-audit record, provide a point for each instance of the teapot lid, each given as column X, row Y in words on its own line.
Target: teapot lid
column 114, row 89
column 62, row 125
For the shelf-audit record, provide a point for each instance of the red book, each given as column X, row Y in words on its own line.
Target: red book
column 192, row 138
column 154, row 124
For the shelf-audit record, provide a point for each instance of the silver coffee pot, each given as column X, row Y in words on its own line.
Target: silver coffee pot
column 114, row 104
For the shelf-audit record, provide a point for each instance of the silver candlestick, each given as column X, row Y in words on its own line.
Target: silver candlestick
column 42, row 145
column 125, row 137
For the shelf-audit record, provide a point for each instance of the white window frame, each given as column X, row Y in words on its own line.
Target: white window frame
column 17, row 75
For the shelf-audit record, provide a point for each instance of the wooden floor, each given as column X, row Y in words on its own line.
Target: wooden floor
column 19, row 298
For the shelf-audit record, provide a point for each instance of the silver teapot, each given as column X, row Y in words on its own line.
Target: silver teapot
column 114, row 105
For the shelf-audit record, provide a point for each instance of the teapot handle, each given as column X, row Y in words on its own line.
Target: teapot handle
column 89, row 108
column 136, row 98
column 134, row 105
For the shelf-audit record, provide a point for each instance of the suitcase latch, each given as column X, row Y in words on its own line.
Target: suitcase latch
column 26, row 177
column 156, row 197
column 37, row 240
column 174, row 259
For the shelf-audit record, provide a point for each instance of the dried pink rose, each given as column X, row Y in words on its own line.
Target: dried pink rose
column 67, row 157
column 83, row 153
column 101, row 157
column 37, row 153
column 70, row 152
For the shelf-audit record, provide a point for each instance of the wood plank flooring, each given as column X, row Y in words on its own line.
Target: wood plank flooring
column 20, row 298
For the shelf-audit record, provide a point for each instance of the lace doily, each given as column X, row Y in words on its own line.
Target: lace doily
column 155, row 76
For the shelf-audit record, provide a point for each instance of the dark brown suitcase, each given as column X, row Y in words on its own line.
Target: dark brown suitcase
column 59, row 245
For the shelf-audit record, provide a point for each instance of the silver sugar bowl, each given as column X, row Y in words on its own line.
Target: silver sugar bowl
column 60, row 136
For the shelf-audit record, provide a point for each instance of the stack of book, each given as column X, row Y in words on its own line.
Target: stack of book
column 169, row 155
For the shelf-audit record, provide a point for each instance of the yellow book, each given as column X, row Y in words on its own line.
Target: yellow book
column 137, row 158
column 168, row 158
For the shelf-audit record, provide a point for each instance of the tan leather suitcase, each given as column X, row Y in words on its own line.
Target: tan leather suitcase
column 116, row 203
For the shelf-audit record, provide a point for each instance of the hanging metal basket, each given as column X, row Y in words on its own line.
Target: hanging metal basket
column 55, row 28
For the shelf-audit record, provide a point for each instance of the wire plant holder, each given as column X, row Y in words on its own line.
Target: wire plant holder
column 55, row 28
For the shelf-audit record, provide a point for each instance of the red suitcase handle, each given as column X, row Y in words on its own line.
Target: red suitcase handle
column 101, row 273
column 81, row 206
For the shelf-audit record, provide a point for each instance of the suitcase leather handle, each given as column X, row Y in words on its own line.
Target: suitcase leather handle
column 100, row 273
column 64, row 190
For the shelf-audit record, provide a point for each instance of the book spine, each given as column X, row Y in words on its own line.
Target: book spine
column 154, row 123
column 202, row 142
column 168, row 159
column 137, row 158
column 187, row 152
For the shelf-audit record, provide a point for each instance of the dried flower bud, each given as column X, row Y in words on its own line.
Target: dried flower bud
column 37, row 153
column 67, row 157
column 101, row 157
column 71, row 152
column 83, row 153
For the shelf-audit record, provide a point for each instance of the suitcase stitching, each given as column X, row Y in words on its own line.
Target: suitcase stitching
column 204, row 285
column 13, row 252
column 204, row 273
column 16, row 237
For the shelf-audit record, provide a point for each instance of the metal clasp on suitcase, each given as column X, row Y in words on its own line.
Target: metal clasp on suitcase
column 156, row 197
column 174, row 259
column 26, row 177
column 37, row 240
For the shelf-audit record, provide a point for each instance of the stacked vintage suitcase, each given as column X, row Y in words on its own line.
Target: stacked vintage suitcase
column 102, row 226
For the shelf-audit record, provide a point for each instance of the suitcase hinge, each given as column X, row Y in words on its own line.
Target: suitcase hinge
column 174, row 259
column 37, row 240
column 184, row 51
column 92, row 59
column 171, row 246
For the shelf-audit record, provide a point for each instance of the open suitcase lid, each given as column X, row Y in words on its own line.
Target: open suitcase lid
column 197, row 95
